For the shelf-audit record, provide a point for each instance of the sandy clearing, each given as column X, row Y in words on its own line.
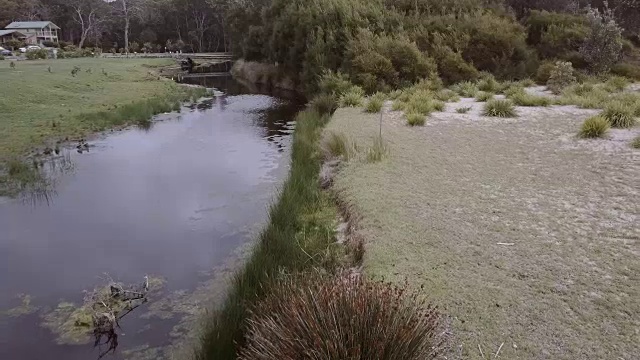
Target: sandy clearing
column 435, row 211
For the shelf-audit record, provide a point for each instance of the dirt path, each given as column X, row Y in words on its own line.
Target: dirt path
column 525, row 235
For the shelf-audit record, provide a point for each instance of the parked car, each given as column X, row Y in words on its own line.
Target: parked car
column 29, row 48
column 5, row 52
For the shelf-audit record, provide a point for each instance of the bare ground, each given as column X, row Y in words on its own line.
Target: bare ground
column 524, row 234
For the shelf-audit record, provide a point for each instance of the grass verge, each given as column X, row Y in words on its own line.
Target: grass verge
column 299, row 235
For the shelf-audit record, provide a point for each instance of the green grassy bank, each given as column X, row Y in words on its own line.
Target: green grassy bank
column 48, row 101
column 43, row 101
column 299, row 236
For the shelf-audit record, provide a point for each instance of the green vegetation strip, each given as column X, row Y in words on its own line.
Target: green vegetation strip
column 56, row 99
column 299, row 236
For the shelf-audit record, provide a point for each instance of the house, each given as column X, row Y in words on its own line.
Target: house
column 36, row 31
column 6, row 35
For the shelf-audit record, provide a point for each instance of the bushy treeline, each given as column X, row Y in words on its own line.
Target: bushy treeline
column 387, row 44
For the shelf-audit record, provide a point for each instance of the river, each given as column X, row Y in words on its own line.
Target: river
column 175, row 202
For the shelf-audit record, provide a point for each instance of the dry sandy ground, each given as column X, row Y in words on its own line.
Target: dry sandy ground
column 522, row 233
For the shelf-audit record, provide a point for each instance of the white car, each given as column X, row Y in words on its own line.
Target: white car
column 29, row 48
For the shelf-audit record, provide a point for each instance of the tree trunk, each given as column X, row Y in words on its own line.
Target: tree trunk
column 83, row 37
column 126, row 34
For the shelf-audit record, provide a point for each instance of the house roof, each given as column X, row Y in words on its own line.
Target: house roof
column 30, row 25
column 7, row 32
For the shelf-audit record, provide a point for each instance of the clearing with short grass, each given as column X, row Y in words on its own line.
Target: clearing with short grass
column 523, row 233
column 38, row 105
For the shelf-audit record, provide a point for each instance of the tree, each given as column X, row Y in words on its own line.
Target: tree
column 603, row 47
column 89, row 15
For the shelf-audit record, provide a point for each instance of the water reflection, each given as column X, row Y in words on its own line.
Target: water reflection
column 171, row 201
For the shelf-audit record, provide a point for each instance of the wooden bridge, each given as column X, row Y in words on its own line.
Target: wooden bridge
column 202, row 57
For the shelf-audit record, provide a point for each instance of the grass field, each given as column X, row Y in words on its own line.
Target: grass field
column 41, row 101
column 523, row 233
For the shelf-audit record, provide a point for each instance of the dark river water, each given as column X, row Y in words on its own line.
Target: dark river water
column 173, row 201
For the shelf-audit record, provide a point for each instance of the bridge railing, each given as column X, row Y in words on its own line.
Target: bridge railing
column 208, row 56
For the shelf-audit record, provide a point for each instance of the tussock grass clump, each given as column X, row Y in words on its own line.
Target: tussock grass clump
column 338, row 145
column 499, row 108
column 324, row 103
column 352, row 97
column 635, row 143
column 377, row 151
column 342, row 318
column 484, row 96
column 619, row 115
column 414, row 119
column 375, row 103
column 466, row 89
column 398, row 105
column 489, row 84
column 447, row 95
column 616, row 83
column 463, row 110
column 525, row 99
column 438, row 105
column 594, row 127
column 513, row 89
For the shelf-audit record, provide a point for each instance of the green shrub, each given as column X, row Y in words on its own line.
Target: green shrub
column 544, row 72
column 325, row 103
column 334, row 83
column 635, row 143
column 561, row 77
column 466, row 89
column 603, row 46
column 463, row 110
column 527, row 82
column 381, row 63
column 594, row 127
column 452, row 68
column 619, row 115
column 36, row 54
column 616, row 83
column 447, row 95
column 352, row 98
column 496, row 45
column 484, row 96
column 525, row 99
column 489, row 84
column 1, row 57
column 374, row 105
column 631, row 71
column 342, row 318
column 499, row 108
column 377, row 151
column 414, row 119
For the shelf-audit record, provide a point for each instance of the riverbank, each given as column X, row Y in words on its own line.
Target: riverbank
column 48, row 102
column 521, row 231
column 299, row 235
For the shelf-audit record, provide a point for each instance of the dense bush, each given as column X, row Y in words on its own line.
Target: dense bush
column 36, row 54
column 544, row 72
column 497, row 45
column 382, row 63
column 554, row 34
column 452, row 67
column 603, row 47
column 628, row 70
column 342, row 318
column 561, row 76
